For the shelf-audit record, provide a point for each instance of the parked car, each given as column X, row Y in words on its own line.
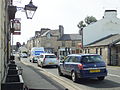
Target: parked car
column 34, row 59
column 47, row 59
column 23, row 55
column 83, row 66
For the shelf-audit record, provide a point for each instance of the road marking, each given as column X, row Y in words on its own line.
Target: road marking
column 113, row 75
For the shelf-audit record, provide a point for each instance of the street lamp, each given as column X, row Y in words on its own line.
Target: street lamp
column 30, row 10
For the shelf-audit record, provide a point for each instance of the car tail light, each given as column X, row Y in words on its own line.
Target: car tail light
column 80, row 66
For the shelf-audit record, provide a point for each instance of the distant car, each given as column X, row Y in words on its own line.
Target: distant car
column 23, row 55
column 83, row 66
column 34, row 59
column 47, row 59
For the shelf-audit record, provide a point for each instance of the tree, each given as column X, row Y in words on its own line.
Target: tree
column 90, row 19
column 81, row 25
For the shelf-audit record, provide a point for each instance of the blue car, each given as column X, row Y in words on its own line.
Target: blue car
column 83, row 66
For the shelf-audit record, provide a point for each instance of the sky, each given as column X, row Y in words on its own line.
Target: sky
column 52, row 13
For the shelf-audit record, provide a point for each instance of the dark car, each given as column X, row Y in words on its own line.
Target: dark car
column 34, row 59
column 83, row 66
column 23, row 55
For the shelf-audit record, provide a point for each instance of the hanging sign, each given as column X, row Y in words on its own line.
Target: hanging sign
column 16, row 25
column 16, row 33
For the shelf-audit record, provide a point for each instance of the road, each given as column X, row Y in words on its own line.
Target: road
column 111, row 82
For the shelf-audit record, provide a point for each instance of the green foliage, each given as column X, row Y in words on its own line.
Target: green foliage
column 81, row 24
column 88, row 20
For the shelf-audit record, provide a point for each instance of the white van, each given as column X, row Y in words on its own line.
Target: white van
column 35, row 53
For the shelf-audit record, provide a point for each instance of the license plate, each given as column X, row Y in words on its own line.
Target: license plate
column 51, row 63
column 95, row 70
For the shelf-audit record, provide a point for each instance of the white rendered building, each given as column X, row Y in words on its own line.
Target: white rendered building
column 110, row 24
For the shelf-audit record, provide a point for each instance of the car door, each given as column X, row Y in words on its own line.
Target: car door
column 71, row 64
column 64, row 64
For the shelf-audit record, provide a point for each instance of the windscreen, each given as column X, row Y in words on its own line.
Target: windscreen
column 50, row 56
column 91, row 59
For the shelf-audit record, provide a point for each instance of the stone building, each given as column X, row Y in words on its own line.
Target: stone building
column 72, row 42
column 6, row 14
column 108, row 47
column 52, row 40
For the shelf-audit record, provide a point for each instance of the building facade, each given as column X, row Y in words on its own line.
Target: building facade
column 109, row 24
column 108, row 47
column 52, row 40
column 5, row 37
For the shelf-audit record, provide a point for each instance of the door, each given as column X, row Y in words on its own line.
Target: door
column 64, row 65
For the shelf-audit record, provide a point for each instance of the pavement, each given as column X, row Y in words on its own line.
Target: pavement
column 34, row 80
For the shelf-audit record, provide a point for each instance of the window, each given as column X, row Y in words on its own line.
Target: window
column 91, row 59
column 50, row 56
column 63, row 43
column 74, row 59
column 96, row 50
column 67, row 59
column 85, row 50
column 41, row 56
column 100, row 51
column 88, row 50
column 73, row 43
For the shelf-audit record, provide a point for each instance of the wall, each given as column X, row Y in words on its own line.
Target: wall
column 104, row 52
column 50, row 43
column 3, row 39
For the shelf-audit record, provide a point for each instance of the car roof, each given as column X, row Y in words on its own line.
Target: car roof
column 81, row 54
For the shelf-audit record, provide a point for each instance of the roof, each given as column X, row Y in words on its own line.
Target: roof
column 108, row 40
column 52, row 32
column 67, row 37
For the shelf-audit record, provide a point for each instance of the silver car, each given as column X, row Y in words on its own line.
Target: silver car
column 47, row 59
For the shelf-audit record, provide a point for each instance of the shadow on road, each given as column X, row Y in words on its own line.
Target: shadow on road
column 97, row 84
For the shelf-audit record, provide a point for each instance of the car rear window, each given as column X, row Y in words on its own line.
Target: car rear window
column 91, row 59
column 50, row 56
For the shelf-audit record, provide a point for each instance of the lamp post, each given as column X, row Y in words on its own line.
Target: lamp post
column 30, row 10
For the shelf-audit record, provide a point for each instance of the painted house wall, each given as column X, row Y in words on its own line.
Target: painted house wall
column 110, row 24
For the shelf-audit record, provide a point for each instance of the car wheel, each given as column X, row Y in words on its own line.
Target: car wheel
column 59, row 72
column 74, row 77
column 101, row 78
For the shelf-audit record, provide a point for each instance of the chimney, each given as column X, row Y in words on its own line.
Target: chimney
column 61, row 30
column 110, row 14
